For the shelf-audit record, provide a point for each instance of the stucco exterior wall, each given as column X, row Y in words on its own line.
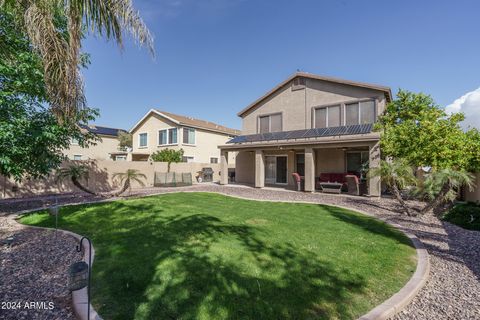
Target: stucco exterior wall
column 100, row 151
column 329, row 160
column 100, row 177
column 245, row 167
column 297, row 106
column 205, row 147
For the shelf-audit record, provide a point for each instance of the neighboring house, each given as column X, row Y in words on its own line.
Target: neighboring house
column 319, row 127
column 106, row 148
column 199, row 139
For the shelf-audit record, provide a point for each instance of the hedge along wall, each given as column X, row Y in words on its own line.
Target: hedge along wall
column 100, row 177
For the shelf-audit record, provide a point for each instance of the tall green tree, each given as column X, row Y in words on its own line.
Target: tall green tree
column 167, row 155
column 59, row 49
column 417, row 130
column 31, row 138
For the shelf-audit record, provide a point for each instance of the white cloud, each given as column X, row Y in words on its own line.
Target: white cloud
column 469, row 104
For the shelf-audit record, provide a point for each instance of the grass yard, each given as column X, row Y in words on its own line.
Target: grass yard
column 209, row 256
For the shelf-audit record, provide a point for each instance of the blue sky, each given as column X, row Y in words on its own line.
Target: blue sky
column 214, row 57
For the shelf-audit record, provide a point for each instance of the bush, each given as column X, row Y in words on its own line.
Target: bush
column 465, row 215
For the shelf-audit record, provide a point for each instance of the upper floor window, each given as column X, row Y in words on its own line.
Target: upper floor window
column 77, row 157
column 188, row 136
column 360, row 112
column 142, row 139
column 327, row 116
column 167, row 136
column 213, row 160
column 270, row 123
column 74, row 141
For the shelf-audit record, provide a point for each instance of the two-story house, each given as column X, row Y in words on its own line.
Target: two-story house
column 105, row 148
column 312, row 125
column 199, row 139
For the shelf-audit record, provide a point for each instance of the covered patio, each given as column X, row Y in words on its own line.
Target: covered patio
column 321, row 165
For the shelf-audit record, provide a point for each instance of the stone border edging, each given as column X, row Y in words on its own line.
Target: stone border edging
column 385, row 310
column 79, row 297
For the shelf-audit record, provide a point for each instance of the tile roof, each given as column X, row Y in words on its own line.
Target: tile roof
column 197, row 123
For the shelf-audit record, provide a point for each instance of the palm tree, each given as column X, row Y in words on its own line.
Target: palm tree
column 75, row 173
column 442, row 186
column 397, row 175
column 60, row 48
column 127, row 177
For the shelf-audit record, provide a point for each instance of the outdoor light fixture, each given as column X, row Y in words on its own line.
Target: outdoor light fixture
column 80, row 273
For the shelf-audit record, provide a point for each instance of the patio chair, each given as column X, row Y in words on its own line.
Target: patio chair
column 353, row 185
column 297, row 180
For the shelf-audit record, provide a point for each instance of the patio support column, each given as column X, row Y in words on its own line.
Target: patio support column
column 259, row 169
column 374, row 186
column 309, row 170
column 223, row 167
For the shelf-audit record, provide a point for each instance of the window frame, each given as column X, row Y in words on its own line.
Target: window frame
column 327, row 106
column 194, row 136
column 122, row 157
column 140, row 139
column 359, row 103
column 186, row 156
column 77, row 155
column 269, row 115
column 168, row 142
column 216, row 159
column 74, row 142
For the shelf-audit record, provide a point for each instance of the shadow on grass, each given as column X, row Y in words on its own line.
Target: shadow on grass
column 369, row 224
column 172, row 267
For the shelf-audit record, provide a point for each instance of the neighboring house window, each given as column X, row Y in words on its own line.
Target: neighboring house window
column 327, row 117
column 167, row 136
column 360, row 112
column 188, row 136
column 172, row 135
column 187, row 159
column 213, row 160
column 143, row 137
column 270, row 123
column 77, row 157
column 120, row 158
column 74, row 141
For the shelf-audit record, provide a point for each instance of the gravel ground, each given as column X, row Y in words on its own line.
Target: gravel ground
column 452, row 292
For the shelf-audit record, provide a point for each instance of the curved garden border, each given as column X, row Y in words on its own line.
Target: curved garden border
column 385, row 310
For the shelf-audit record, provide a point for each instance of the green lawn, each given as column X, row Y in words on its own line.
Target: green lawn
column 209, row 256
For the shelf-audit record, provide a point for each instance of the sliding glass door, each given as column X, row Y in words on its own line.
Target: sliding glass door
column 276, row 169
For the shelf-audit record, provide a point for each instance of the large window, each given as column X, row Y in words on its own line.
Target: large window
column 270, row 123
column 355, row 161
column 360, row 112
column 167, row 136
column 188, row 136
column 327, row 116
column 142, row 140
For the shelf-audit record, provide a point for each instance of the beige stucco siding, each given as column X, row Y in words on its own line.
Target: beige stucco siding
column 100, row 151
column 329, row 160
column 245, row 167
column 297, row 106
column 205, row 146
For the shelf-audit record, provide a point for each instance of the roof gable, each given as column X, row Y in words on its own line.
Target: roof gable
column 307, row 75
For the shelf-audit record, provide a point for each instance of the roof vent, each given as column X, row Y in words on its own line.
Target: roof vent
column 298, row 83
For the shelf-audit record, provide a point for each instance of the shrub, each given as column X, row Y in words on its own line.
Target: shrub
column 465, row 215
